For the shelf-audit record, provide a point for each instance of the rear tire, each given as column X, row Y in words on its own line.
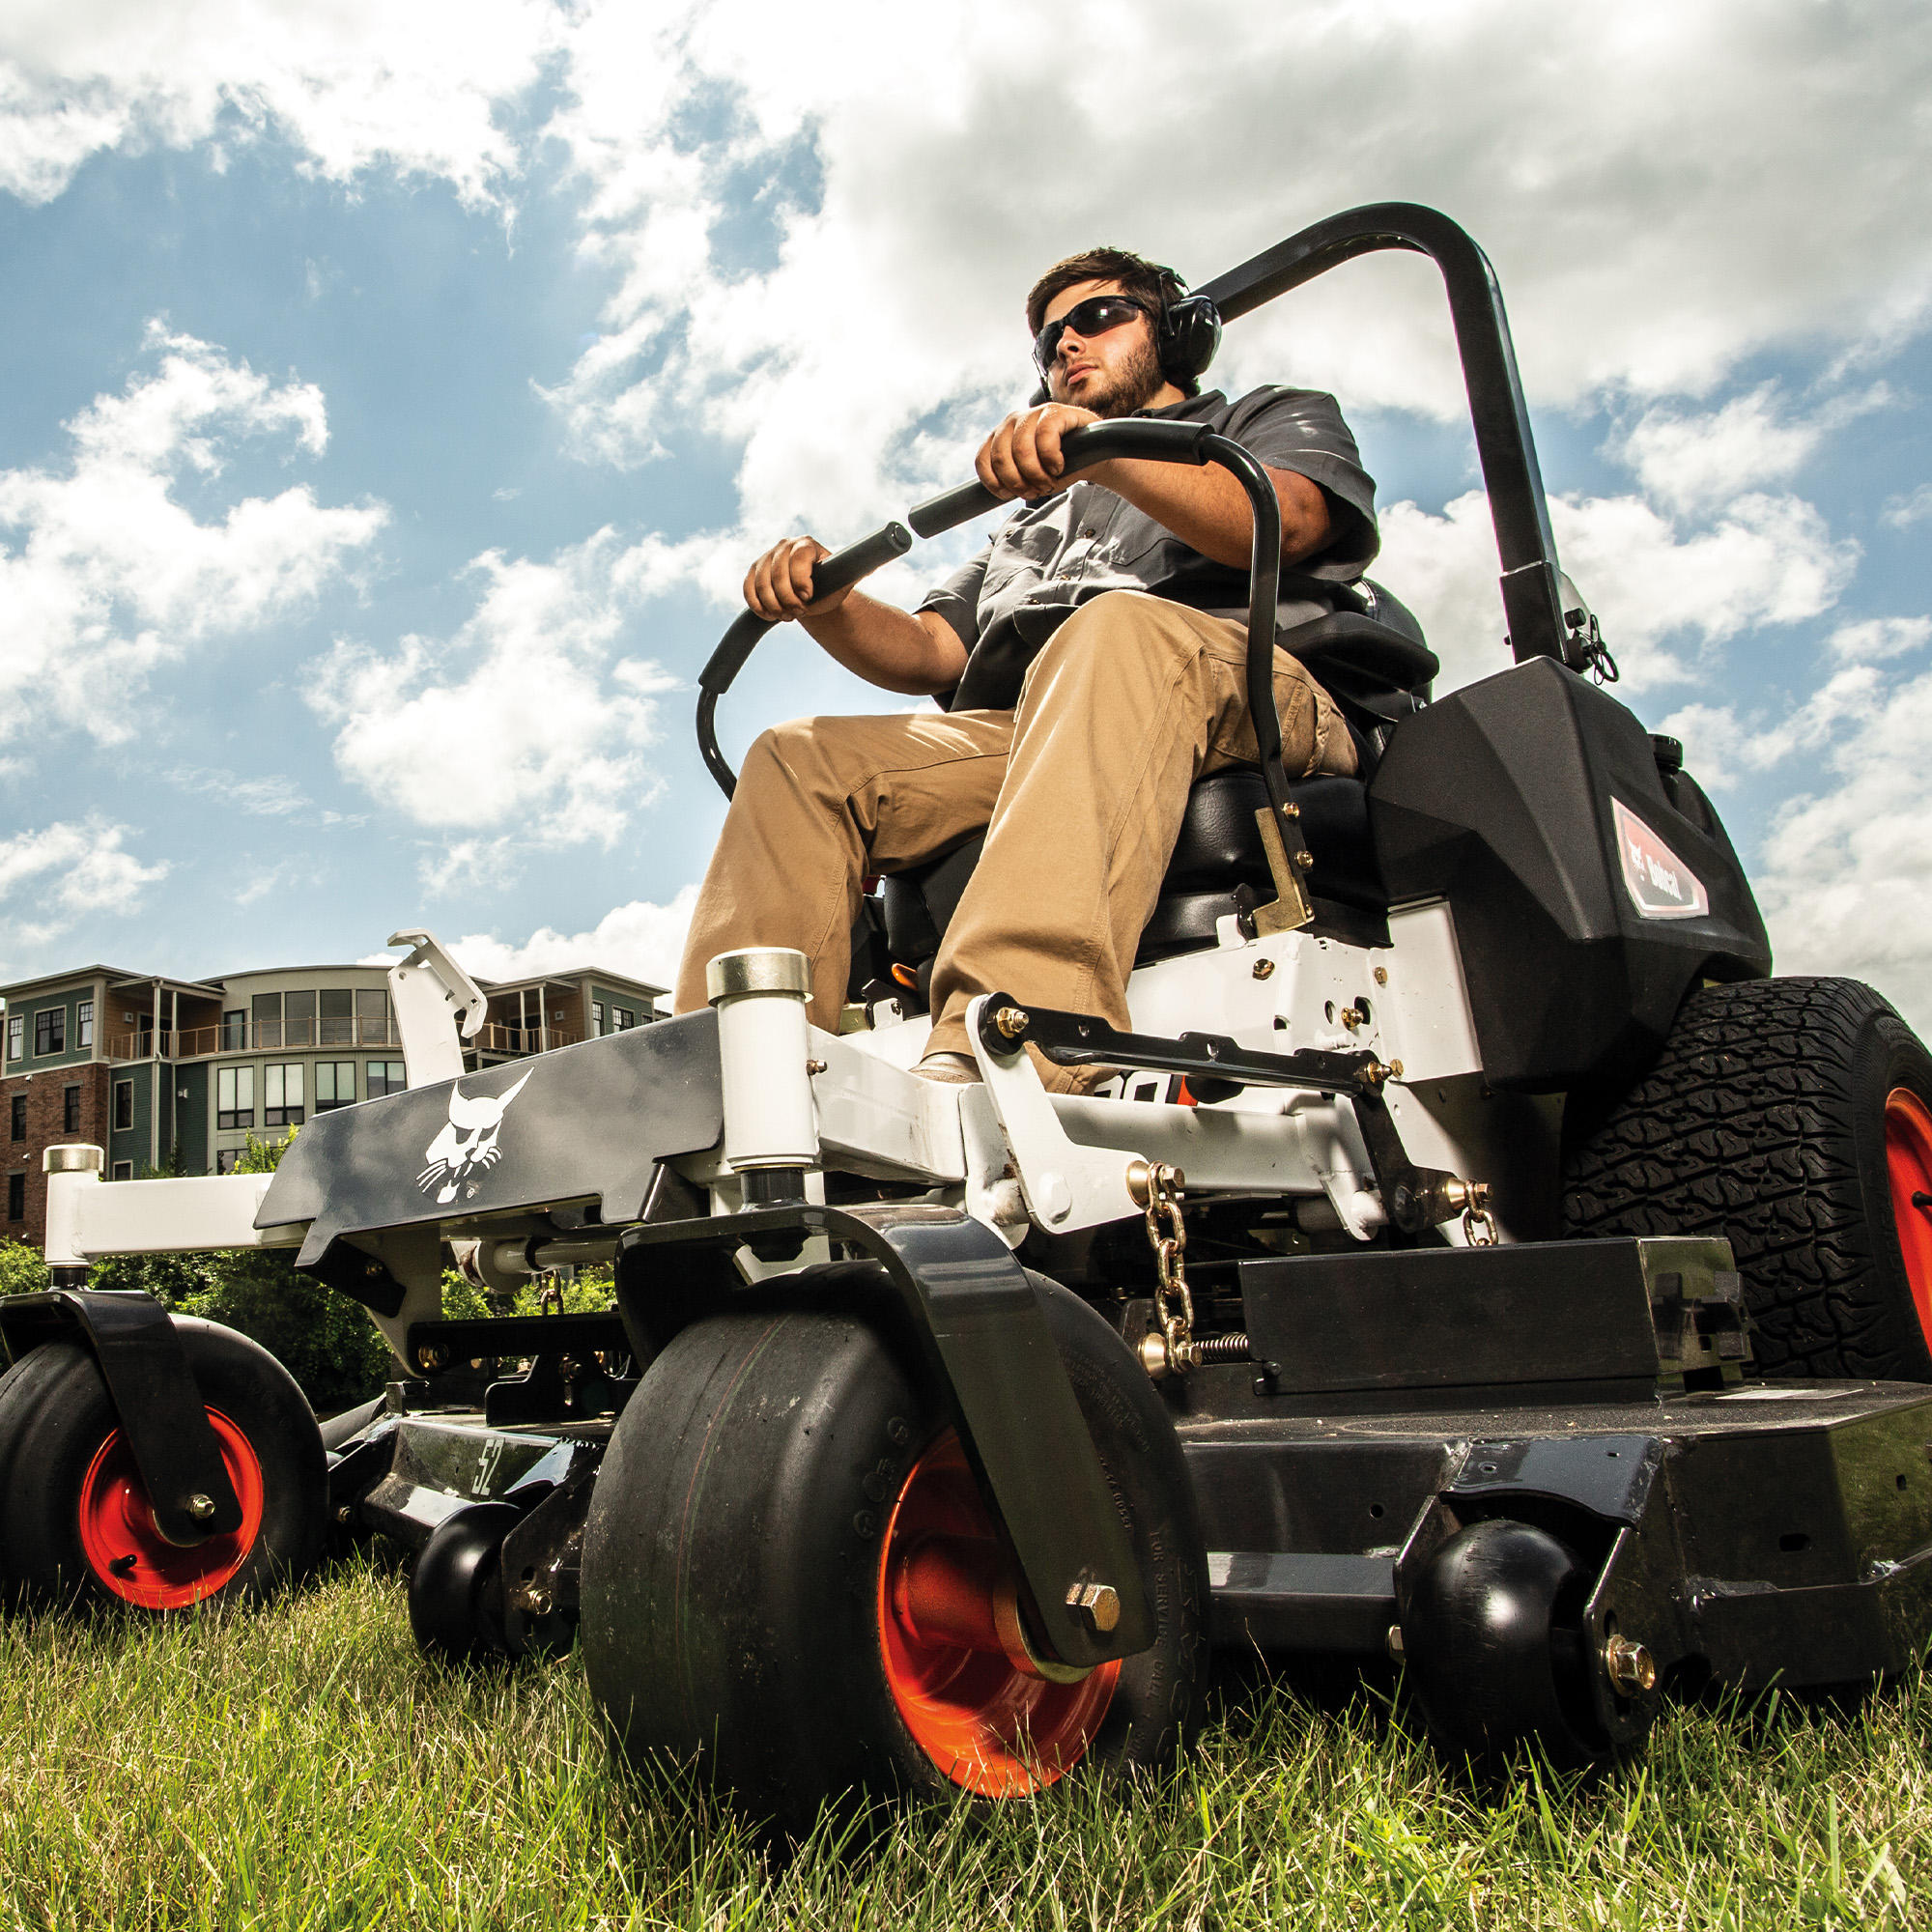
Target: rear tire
column 739, row 1571
column 1794, row 1118
column 74, row 1521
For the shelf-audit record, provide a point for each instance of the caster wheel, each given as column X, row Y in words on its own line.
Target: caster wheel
column 790, row 1579
column 1492, row 1636
column 75, row 1523
column 452, row 1606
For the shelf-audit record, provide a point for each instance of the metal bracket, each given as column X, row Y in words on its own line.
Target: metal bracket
column 437, row 1007
column 1288, row 862
column 157, row 1400
column 1414, row 1198
column 974, row 1310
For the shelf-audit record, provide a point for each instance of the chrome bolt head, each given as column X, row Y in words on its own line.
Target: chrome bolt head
column 200, row 1507
column 1392, row 1643
column 1264, row 969
column 1100, row 1601
column 1011, row 1021
column 1631, row 1666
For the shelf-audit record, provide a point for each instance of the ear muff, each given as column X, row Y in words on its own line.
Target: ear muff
column 1190, row 332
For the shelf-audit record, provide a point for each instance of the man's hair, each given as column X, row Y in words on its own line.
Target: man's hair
column 1154, row 285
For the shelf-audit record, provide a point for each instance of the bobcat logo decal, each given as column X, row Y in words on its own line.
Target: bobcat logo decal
column 466, row 1148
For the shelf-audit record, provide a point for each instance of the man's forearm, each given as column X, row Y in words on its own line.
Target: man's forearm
column 1208, row 510
column 891, row 647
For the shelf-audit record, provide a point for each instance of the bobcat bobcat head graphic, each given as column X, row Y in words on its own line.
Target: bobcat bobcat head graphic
column 466, row 1148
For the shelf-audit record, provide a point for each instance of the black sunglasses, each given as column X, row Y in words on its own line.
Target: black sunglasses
column 1094, row 316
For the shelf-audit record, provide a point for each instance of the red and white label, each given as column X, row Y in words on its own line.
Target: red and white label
column 1661, row 883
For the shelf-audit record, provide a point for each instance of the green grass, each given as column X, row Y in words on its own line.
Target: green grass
column 303, row 1767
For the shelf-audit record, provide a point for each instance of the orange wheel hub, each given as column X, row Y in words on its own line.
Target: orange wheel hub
column 132, row 1559
column 1907, row 1159
column 955, row 1655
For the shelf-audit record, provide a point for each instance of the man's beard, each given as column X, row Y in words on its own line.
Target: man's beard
column 1137, row 384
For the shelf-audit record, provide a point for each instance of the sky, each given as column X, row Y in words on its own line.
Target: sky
column 392, row 398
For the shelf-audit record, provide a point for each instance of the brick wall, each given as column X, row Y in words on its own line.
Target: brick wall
column 46, row 1124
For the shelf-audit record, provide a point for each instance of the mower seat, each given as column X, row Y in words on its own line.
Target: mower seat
column 1377, row 674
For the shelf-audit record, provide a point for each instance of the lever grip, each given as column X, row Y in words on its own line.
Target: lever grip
column 830, row 573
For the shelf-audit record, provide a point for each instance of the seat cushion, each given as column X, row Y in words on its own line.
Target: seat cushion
column 1220, row 845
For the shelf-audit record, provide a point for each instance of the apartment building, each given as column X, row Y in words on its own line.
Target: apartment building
column 160, row 1070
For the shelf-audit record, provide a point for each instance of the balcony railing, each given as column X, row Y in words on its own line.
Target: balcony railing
column 316, row 1036
column 253, row 1037
column 494, row 1038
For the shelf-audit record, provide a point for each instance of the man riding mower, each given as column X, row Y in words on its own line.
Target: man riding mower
column 1389, row 1176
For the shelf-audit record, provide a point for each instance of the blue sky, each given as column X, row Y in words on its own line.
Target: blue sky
column 392, row 403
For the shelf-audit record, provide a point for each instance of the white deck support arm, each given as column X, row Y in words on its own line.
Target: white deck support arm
column 86, row 1218
column 438, row 1006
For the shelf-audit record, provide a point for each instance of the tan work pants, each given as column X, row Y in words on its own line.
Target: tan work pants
column 1082, row 788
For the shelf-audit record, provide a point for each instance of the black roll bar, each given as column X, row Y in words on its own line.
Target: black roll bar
column 1531, row 592
column 1532, row 599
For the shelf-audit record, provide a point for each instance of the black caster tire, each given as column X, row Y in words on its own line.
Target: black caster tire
column 75, row 1527
column 1794, row 1118
column 745, row 1550
column 452, row 1584
column 1491, row 1640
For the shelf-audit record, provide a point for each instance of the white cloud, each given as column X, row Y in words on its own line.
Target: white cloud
column 351, row 84
column 260, row 798
column 640, row 940
column 1846, row 877
column 1653, row 587
column 528, row 724
column 51, row 878
column 1902, row 512
column 1692, row 460
column 1873, row 638
column 110, row 574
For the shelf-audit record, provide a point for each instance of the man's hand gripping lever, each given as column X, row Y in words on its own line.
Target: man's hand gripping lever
column 839, row 571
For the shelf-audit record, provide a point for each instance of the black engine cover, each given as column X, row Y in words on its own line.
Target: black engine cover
column 1503, row 799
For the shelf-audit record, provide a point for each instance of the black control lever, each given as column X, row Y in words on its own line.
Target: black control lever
column 830, row 573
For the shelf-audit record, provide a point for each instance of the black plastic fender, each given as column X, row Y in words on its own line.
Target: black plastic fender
column 153, row 1392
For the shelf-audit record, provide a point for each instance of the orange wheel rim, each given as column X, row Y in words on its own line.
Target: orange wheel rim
column 130, row 1557
column 989, row 1727
column 1907, row 1159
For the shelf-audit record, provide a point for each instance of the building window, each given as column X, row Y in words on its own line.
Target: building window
column 50, row 1030
column 124, row 1170
column 334, row 1083
column 234, row 1096
column 385, row 1076
column 17, row 1034
column 225, row 1159
column 69, row 1110
column 266, row 1011
column 19, row 1113
column 372, row 1017
column 234, row 1031
column 622, row 1019
column 84, row 1027
column 298, row 1019
column 282, row 1096
column 596, row 1018
column 124, row 1105
column 338, row 1016
column 17, row 1197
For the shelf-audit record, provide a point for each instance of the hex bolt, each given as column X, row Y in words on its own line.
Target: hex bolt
column 1011, row 1021
column 200, row 1507
column 537, row 1600
column 1305, row 859
column 1264, row 969
column 1631, row 1665
column 1100, row 1601
column 1392, row 1643
column 345, row 1515
column 1381, row 976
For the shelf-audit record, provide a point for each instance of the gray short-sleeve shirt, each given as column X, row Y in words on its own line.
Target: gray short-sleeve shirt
column 1051, row 556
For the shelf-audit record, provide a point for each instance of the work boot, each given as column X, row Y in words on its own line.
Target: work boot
column 955, row 1069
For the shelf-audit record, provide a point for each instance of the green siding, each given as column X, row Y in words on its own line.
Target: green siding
column 133, row 1144
column 71, row 1054
column 192, row 1119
